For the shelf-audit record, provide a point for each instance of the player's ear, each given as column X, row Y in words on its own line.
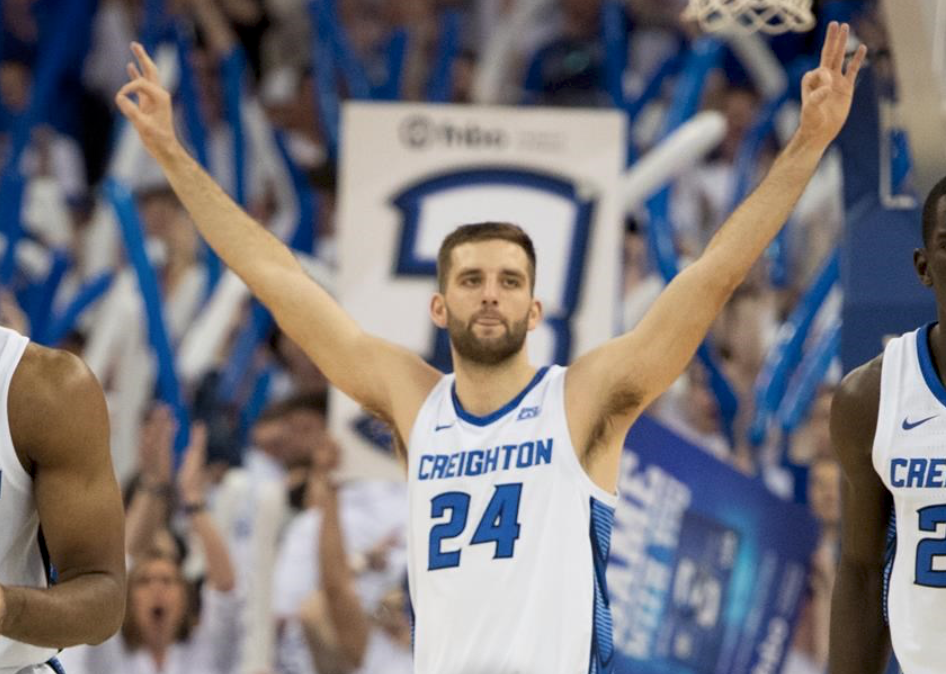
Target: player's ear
column 922, row 265
column 535, row 314
column 438, row 310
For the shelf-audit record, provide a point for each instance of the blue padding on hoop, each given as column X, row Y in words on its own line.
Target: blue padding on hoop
column 784, row 357
column 803, row 389
column 169, row 389
column 40, row 310
column 87, row 295
column 440, row 87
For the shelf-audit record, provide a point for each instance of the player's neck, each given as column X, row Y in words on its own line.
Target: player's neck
column 484, row 389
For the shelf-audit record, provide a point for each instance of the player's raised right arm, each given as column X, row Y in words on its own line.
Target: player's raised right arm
column 859, row 641
column 358, row 364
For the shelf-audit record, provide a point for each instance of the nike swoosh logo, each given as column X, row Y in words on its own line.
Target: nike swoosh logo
column 440, row 428
column 908, row 426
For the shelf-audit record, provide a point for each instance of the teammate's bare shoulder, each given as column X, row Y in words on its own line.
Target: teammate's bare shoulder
column 854, row 409
column 53, row 393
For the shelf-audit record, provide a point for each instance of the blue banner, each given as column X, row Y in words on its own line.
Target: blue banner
column 707, row 567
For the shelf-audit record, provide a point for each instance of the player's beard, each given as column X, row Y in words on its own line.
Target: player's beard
column 488, row 351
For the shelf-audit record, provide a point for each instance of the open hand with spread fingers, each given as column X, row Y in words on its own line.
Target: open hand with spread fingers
column 826, row 91
column 150, row 110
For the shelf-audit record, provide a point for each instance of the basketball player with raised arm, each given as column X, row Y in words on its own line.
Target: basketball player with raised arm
column 59, row 504
column 888, row 419
column 511, row 471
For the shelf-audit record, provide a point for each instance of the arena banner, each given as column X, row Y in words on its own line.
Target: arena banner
column 411, row 173
column 707, row 567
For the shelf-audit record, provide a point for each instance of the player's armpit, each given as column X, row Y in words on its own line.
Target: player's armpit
column 859, row 640
column 59, row 426
column 608, row 387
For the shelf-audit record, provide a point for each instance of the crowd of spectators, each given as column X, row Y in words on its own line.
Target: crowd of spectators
column 255, row 497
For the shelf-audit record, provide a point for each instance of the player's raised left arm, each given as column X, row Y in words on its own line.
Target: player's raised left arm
column 625, row 374
column 59, row 425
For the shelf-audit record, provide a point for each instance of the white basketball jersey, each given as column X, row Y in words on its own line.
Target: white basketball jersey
column 508, row 539
column 909, row 454
column 21, row 559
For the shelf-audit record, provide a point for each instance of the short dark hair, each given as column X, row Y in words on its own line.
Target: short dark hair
column 930, row 207
column 483, row 231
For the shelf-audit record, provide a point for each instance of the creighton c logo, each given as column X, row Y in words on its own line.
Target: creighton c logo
column 550, row 208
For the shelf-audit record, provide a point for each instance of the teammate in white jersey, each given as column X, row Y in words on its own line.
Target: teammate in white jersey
column 59, row 505
column 888, row 420
column 512, row 471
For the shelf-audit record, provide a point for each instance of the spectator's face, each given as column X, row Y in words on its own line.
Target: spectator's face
column 824, row 491
column 159, row 212
column 15, row 83
column 270, row 437
column 309, row 441
column 158, row 601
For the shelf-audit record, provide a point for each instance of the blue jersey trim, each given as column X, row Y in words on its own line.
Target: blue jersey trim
column 926, row 363
column 890, row 554
column 505, row 409
column 601, row 660
column 55, row 665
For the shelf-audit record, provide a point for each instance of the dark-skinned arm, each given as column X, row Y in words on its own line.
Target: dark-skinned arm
column 859, row 640
column 59, row 426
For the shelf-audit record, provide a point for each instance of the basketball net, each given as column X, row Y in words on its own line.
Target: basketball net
column 749, row 16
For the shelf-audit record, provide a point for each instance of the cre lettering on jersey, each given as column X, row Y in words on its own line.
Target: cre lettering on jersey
column 918, row 473
column 475, row 462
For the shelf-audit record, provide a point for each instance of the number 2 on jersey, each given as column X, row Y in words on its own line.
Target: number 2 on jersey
column 929, row 548
column 499, row 524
